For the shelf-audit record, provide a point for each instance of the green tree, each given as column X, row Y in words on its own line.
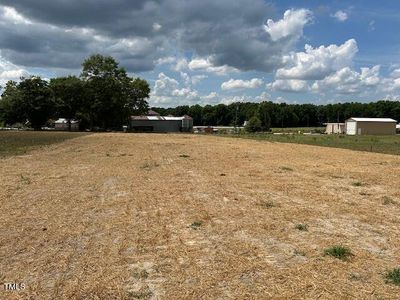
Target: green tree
column 264, row 116
column 11, row 109
column 37, row 101
column 112, row 94
column 254, row 124
column 31, row 100
column 69, row 94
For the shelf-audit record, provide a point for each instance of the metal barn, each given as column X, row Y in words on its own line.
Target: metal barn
column 372, row 126
column 62, row 124
column 156, row 123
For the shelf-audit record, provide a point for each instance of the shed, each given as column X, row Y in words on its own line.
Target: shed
column 372, row 126
column 334, row 128
column 62, row 124
column 157, row 123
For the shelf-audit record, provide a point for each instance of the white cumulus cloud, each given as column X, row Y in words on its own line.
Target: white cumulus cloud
column 348, row 81
column 206, row 65
column 9, row 71
column 242, row 84
column 291, row 26
column 340, row 15
column 289, row 85
column 317, row 63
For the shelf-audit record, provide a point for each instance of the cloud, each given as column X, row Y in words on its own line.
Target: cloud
column 348, row 81
column 317, row 63
column 289, row 85
column 11, row 15
column 206, row 65
column 233, row 84
column 291, row 26
column 340, row 16
column 167, row 91
column 9, row 71
column 227, row 36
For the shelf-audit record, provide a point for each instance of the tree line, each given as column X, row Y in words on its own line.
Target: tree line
column 103, row 96
column 265, row 115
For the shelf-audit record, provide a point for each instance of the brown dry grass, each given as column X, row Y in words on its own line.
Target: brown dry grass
column 136, row 216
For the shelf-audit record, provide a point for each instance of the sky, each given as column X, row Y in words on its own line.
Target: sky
column 211, row 52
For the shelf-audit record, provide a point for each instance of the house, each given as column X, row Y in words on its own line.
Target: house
column 62, row 124
column 372, row 126
column 334, row 128
column 153, row 122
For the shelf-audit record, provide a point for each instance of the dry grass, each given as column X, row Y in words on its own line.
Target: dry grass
column 80, row 224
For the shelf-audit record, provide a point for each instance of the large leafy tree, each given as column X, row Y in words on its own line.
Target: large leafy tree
column 31, row 100
column 37, row 101
column 112, row 94
column 69, row 95
column 11, row 109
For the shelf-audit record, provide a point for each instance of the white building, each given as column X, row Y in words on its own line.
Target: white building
column 372, row 126
column 334, row 128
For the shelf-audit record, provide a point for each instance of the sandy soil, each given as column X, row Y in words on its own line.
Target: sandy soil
column 146, row 216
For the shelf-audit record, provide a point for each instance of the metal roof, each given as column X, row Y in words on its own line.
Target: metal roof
column 159, row 118
column 64, row 121
column 387, row 120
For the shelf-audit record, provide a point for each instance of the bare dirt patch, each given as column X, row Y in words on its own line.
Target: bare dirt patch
column 128, row 217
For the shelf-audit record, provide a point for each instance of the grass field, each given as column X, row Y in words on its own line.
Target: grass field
column 389, row 144
column 164, row 216
column 21, row 142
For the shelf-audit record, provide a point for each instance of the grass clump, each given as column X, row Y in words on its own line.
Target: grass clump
column 267, row 204
column 196, row 224
column 393, row 277
column 302, row 227
column 357, row 183
column 286, row 169
column 142, row 294
column 25, row 179
column 149, row 165
column 143, row 274
column 299, row 253
column 184, row 155
column 387, row 200
column 338, row 252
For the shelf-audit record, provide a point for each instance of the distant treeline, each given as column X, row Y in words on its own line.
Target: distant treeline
column 281, row 114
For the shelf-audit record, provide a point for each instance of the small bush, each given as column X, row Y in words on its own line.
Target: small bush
column 254, row 125
column 339, row 252
column 302, row 227
column 393, row 276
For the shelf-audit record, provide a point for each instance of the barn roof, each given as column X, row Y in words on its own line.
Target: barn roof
column 159, row 118
column 64, row 121
column 385, row 120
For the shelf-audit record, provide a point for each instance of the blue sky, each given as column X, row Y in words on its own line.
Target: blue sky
column 207, row 53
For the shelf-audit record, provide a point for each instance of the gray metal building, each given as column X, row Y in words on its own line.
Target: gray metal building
column 156, row 123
